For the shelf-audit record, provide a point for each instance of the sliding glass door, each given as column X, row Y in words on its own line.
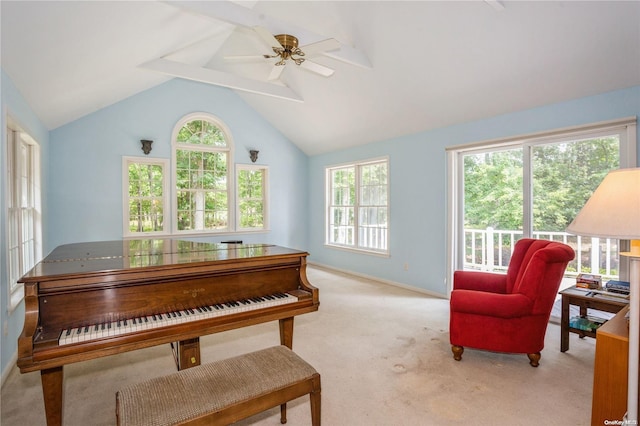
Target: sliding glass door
column 533, row 187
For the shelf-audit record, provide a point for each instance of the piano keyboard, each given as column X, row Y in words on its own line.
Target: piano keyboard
column 133, row 325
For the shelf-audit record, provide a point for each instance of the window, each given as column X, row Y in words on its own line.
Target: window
column 202, row 197
column 357, row 206
column 252, row 199
column 24, row 209
column 146, row 193
column 533, row 187
column 202, row 178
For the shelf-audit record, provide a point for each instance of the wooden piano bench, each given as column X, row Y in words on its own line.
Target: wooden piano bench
column 222, row 392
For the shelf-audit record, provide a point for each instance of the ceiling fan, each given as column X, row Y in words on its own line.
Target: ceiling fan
column 241, row 16
column 285, row 48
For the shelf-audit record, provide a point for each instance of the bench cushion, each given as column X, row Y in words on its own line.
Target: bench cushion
column 209, row 388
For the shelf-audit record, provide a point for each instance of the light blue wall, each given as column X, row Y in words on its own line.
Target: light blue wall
column 417, row 163
column 86, row 161
column 14, row 104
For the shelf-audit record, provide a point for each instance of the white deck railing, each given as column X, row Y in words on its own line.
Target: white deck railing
column 490, row 250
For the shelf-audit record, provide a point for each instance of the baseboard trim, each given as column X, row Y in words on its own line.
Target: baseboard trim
column 377, row 279
column 10, row 365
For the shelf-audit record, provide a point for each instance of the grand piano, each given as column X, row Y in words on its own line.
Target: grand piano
column 90, row 300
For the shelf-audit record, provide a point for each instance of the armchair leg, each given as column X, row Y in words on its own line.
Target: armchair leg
column 534, row 359
column 457, row 352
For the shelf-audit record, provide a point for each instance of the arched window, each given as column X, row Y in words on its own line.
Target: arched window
column 203, row 186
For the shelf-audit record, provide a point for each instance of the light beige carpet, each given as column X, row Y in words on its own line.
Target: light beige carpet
column 384, row 356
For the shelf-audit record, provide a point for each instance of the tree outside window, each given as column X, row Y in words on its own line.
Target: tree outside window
column 202, row 179
column 146, row 196
column 252, row 182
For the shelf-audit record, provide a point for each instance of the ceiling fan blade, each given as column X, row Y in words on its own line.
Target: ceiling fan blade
column 276, row 71
column 317, row 68
column 267, row 36
column 313, row 49
column 219, row 78
column 246, row 58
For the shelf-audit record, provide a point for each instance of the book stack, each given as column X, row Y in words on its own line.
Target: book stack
column 590, row 281
column 615, row 286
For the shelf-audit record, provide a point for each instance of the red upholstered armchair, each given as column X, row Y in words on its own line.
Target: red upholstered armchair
column 508, row 313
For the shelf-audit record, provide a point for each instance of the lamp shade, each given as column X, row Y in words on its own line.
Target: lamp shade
column 613, row 211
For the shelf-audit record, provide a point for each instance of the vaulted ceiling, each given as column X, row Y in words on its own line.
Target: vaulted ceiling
column 402, row 67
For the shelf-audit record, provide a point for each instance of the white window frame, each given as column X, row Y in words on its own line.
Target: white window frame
column 625, row 127
column 264, row 196
column 229, row 149
column 356, row 246
column 166, row 191
column 24, row 240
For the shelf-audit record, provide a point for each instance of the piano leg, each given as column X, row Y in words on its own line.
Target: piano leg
column 286, row 332
column 286, row 339
column 187, row 353
column 52, row 388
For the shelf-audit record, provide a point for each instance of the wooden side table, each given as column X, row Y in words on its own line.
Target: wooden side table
column 585, row 299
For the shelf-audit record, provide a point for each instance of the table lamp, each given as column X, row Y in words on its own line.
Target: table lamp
column 613, row 211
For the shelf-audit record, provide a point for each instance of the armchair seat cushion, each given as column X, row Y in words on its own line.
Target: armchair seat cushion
column 491, row 304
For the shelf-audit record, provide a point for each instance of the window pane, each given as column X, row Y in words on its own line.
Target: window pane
column 23, row 202
column 343, row 186
column 202, row 180
column 146, row 197
column 373, row 225
column 564, row 177
column 201, row 132
column 493, row 206
column 251, row 198
column 357, row 213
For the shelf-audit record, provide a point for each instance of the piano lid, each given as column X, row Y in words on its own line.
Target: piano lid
column 104, row 256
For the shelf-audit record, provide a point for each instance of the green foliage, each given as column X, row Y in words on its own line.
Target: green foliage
column 493, row 190
column 564, row 177
column 251, row 195
column 145, row 197
column 201, row 177
column 201, row 132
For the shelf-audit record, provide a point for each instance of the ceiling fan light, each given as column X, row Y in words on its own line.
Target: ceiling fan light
column 287, row 41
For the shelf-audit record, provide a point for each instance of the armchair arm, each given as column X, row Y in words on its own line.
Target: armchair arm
column 482, row 281
column 490, row 304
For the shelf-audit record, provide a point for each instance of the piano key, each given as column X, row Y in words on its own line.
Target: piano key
column 131, row 325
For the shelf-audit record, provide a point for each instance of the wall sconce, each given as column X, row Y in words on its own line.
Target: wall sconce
column 146, row 146
column 253, row 154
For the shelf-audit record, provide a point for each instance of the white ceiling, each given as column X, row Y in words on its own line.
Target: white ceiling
column 433, row 64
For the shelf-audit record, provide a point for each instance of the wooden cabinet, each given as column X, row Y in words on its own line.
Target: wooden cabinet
column 610, row 371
